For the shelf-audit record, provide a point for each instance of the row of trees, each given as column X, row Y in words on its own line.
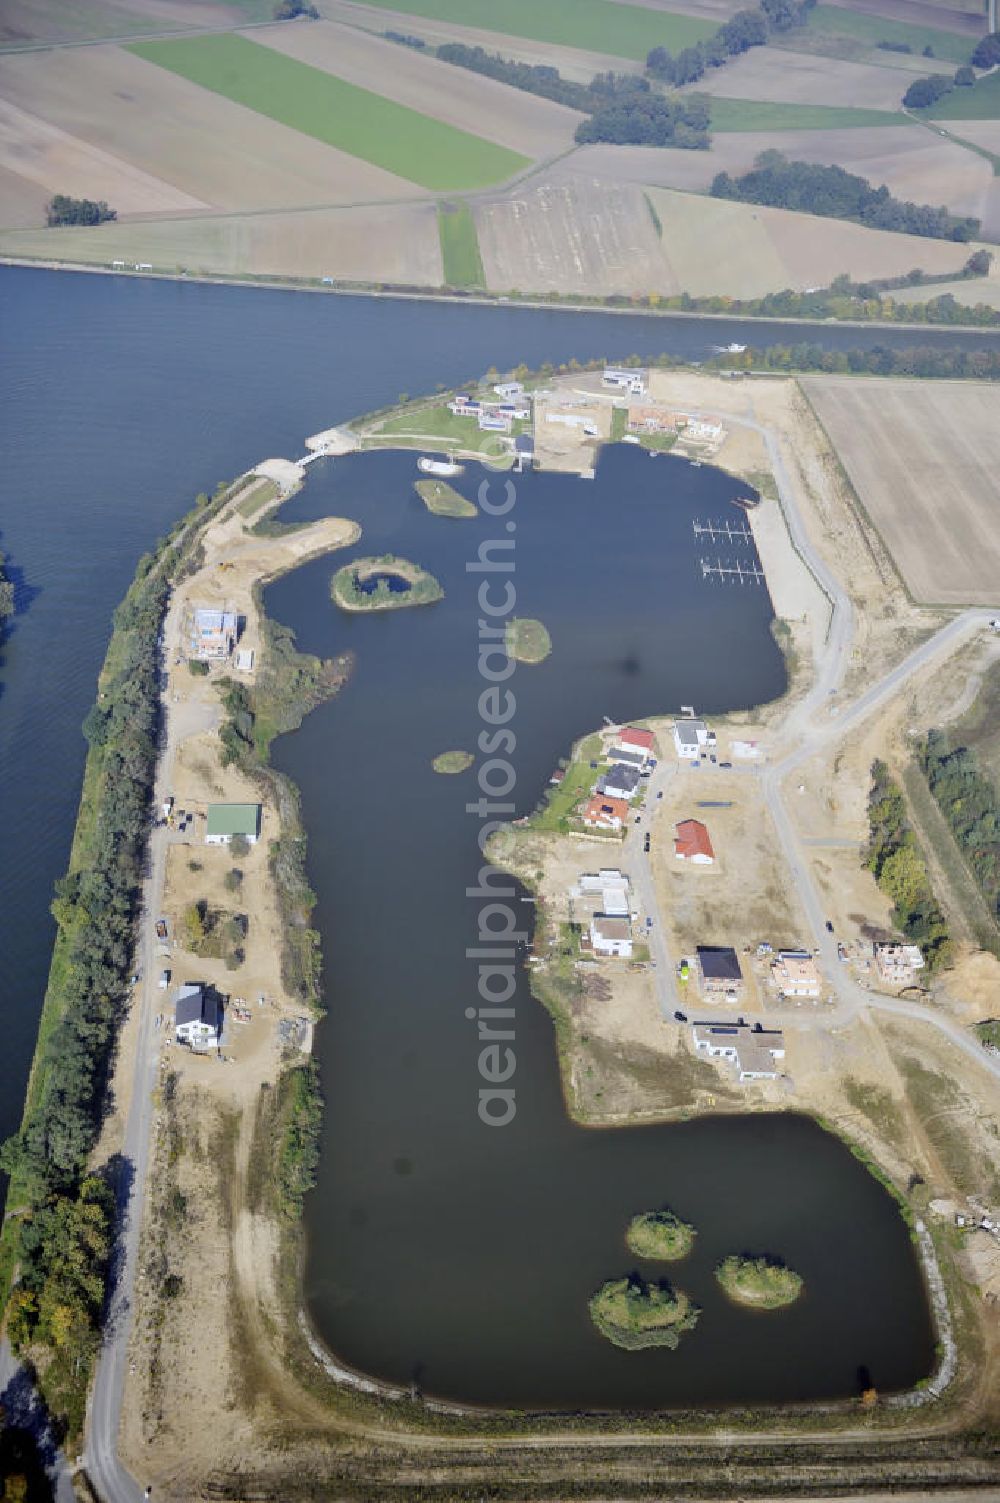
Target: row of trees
column 746, row 29
column 930, row 361
column 830, row 191
column 901, row 872
column 970, row 803
column 541, row 79
column 925, row 92
column 61, row 1239
column 65, row 210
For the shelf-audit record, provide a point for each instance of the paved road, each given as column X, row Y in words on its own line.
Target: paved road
column 113, row 1482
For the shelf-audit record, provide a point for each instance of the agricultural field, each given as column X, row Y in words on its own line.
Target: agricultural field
column 215, row 151
column 914, row 164
column 381, row 243
column 51, row 158
column 597, row 25
column 923, row 457
column 577, row 236
column 22, row 202
column 466, row 101
column 368, row 125
column 760, row 114
column 981, row 102
column 463, row 265
column 28, row 23
column 859, row 26
column 573, row 62
column 712, row 246
column 771, row 75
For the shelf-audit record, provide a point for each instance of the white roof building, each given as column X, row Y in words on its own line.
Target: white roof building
column 689, row 737
column 610, row 935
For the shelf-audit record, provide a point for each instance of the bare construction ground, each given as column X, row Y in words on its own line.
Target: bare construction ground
column 923, row 458
column 770, row 73
column 745, row 896
column 570, row 237
column 205, row 146
column 61, row 163
column 523, row 122
column 716, row 246
column 385, row 243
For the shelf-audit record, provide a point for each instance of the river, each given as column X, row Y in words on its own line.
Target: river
column 119, row 400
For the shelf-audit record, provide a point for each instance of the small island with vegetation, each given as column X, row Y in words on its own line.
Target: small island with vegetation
column 527, row 641
column 633, row 1314
column 383, row 584
column 453, row 761
column 764, row 1283
column 660, row 1234
column 443, row 499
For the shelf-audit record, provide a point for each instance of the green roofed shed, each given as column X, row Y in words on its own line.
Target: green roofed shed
column 227, row 820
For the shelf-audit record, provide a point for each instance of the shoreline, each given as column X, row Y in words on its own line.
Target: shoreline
column 777, row 1415
column 273, row 283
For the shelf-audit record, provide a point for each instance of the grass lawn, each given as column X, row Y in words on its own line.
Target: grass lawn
column 753, row 114
column 463, row 265
column 561, row 797
column 436, row 422
column 831, row 20
column 594, row 25
column 367, row 125
column 981, row 102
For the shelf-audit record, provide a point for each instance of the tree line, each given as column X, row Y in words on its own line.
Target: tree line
column 622, row 107
column 61, row 1240
column 746, row 29
column 831, row 191
column 924, row 93
column 930, row 361
column 970, row 803
column 895, row 859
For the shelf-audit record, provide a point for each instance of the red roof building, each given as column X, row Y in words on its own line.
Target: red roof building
column 692, row 842
column 605, row 813
column 638, row 740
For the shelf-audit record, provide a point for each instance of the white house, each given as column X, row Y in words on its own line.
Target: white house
column 795, row 974
column 689, row 737
column 197, row 1018
column 611, row 935
column 634, row 382
column 508, row 389
column 753, row 1053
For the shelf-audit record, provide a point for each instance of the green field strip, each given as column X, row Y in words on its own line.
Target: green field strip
column 832, row 20
column 355, row 120
column 592, row 25
column 463, row 265
column 729, row 115
column 980, row 102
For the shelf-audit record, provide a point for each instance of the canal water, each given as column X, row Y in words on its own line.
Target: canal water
column 119, row 401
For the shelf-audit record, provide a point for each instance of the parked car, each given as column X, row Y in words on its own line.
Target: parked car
column 829, row 927
column 164, row 981
column 645, row 843
column 681, row 1017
